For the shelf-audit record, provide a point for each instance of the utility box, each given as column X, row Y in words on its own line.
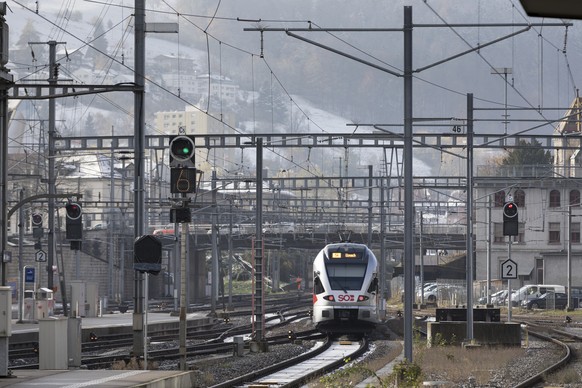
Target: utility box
column 78, row 298
column 92, row 295
column 53, row 344
column 45, row 304
column 5, row 311
column 74, row 342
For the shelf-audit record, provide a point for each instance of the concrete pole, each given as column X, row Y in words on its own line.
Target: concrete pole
column 5, row 81
column 421, row 255
column 383, row 295
column 259, row 313
column 370, row 202
column 21, row 259
column 569, row 260
column 488, row 226
column 469, row 207
column 110, row 223
column 229, row 307
column 408, row 189
column 183, row 306
column 215, row 236
column 139, row 171
column 51, row 166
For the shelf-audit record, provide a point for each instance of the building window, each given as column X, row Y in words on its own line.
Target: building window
column 575, row 232
column 498, row 236
column 540, row 271
column 499, row 198
column 575, row 198
column 520, row 233
column 519, row 198
column 554, row 198
column 554, row 230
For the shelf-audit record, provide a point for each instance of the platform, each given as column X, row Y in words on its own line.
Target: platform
column 98, row 378
column 109, row 323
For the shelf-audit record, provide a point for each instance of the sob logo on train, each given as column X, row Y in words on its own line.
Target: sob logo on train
column 345, row 298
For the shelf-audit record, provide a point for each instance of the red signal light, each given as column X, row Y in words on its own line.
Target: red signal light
column 36, row 219
column 510, row 210
column 73, row 210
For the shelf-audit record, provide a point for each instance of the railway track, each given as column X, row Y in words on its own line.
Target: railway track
column 210, row 341
column 326, row 356
column 542, row 364
column 567, row 341
column 279, row 308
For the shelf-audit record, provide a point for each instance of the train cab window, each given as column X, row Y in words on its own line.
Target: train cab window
column 373, row 286
column 346, row 276
column 317, row 286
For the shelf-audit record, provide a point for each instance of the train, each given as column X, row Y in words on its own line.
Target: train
column 345, row 288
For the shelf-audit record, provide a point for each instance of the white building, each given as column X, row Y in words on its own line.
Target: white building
column 549, row 211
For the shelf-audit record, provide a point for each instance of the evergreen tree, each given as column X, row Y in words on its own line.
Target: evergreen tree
column 28, row 34
column 527, row 154
column 272, row 104
column 99, row 56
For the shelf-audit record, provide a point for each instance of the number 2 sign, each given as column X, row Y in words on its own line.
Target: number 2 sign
column 509, row 269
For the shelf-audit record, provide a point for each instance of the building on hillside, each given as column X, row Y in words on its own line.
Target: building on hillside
column 194, row 120
column 107, row 189
column 220, row 87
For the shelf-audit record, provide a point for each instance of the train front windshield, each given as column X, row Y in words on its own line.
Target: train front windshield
column 346, row 277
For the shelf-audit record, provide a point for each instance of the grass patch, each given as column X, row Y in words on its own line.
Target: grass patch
column 354, row 373
column 134, row 364
column 451, row 363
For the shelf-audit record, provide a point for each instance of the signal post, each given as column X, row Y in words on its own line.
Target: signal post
column 510, row 228
column 182, row 181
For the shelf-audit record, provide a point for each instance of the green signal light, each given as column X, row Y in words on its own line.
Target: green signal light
column 182, row 151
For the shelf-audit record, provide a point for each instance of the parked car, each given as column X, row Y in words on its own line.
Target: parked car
column 428, row 287
column 99, row 226
column 541, row 302
column 431, row 293
column 532, row 291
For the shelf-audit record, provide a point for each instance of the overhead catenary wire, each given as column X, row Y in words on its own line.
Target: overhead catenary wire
column 308, row 119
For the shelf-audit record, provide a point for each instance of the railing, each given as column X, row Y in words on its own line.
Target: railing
column 529, row 171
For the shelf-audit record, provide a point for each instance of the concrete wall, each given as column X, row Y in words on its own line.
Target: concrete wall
column 484, row 333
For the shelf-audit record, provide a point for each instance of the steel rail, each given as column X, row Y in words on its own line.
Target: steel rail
column 539, row 377
column 301, row 379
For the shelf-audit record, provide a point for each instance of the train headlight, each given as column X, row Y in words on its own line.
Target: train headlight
column 329, row 298
column 363, row 298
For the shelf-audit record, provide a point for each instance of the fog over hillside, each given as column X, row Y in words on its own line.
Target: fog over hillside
column 274, row 68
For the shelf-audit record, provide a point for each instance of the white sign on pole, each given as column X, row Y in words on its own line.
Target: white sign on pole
column 40, row 256
column 509, row 269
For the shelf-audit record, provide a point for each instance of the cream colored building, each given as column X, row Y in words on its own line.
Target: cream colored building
column 194, row 121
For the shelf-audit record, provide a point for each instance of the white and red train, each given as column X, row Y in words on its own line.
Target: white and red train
column 345, row 288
